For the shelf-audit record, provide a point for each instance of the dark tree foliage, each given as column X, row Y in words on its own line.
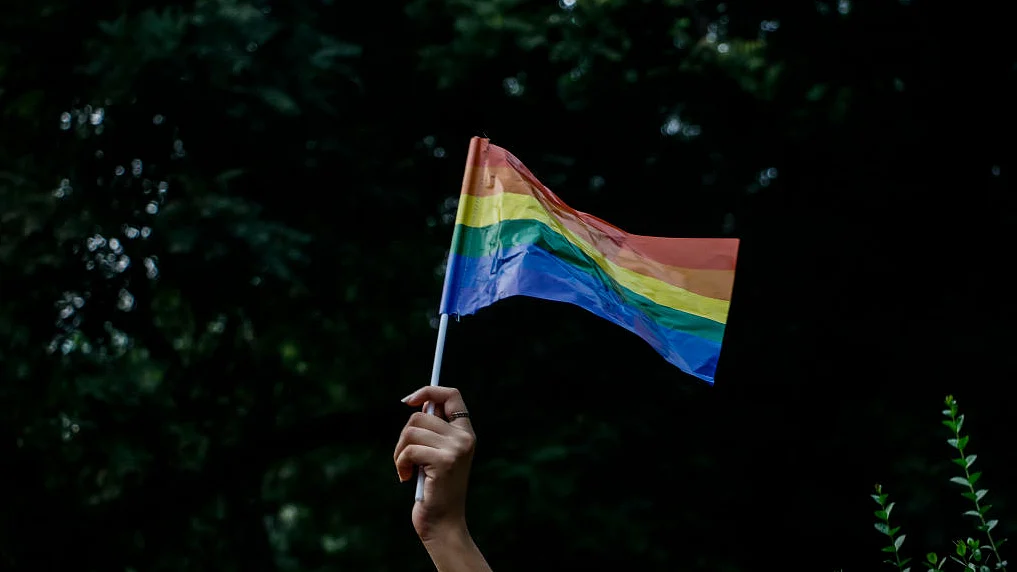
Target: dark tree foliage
column 222, row 229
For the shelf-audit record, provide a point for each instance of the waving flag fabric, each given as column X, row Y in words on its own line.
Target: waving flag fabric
column 514, row 237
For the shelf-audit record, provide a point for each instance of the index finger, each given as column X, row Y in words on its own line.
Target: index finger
column 449, row 398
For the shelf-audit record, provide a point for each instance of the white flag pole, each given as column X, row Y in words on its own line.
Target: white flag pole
column 471, row 167
column 439, row 349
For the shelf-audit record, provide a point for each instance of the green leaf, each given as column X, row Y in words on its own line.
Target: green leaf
column 932, row 557
column 883, row 528
column 115, row 28
column 889, row 549
column 991, row 524
column 963, row 440
column 889, row 508
column 900, row 540
column 972, row 513
column 970, row 460
column 226, row 176
column 960, row 481
column 551, row 453
column 282, row 102
column 894, row 530
column 881, row 514
column 325, row 58
column 816, row 92
column 950, row 424
column 952, row 443
column 960, row 423
column 962, row 549
column 980, row 493
column 974, row 477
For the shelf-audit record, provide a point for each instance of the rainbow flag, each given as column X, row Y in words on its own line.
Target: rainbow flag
column 514, row 237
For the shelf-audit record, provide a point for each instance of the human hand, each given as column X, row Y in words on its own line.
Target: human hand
column 443, row 450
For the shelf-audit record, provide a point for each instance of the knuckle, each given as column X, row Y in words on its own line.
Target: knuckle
column 447, row 459
column 467, row 443
column 404, row 455
column 417, row 417
column 410, row 433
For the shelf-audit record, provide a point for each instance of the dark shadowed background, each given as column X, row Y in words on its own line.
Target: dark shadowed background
column 222, row 230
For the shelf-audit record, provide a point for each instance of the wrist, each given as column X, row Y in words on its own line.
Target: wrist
column 453, row 533
column 452, row 549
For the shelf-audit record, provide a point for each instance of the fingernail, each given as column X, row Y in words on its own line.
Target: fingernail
column 407, row 398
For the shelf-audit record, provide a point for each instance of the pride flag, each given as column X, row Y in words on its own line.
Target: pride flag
column 514, row 237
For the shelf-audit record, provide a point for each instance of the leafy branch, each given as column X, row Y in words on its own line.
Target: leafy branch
column 971, row 554
column 955, row 421
column 883, row 526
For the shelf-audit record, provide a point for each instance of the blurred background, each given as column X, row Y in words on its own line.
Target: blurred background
column 223, row 225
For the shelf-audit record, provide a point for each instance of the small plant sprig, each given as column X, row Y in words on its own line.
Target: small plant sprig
column 969, row 555
column 883, row 526
column 970, row 551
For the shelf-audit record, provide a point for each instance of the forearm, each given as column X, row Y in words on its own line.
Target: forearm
column 455, row 551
